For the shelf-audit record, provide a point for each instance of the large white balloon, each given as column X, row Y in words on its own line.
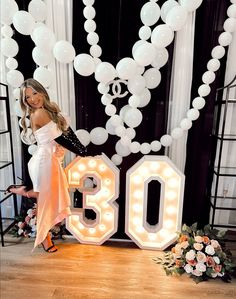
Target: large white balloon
column 152, row 77
column 161, row 57
column 9, row 47
column 8, row 8
column 84, row 64
column 64, row 51
column 176, row 17
column 162, row 36
column 41, row 57
column 23, row 22
column 98, row 135
column 133, row 117
column 83, row 136
column 150, row 13
column 126, row 68
column 43, row 75
column 105, row 72
column 15, row 78
column 11, row 63
column 136, row 84
column 190, row 5
column 116, row 159
column 145, row 54
column 38, row 10
column 43, row 37
column 166, row 7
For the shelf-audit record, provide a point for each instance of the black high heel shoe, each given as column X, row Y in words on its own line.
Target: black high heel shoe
column 14, row 186
column 49, row 248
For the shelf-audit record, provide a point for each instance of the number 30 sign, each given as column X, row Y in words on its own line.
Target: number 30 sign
column 102, row 201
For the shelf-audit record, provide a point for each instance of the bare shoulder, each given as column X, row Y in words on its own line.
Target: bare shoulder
column 40, row 118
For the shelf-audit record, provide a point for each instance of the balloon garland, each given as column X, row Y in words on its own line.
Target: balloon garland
column 148, row 52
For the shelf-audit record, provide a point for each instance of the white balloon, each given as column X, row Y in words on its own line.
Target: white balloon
column 41, row 57
column 103, row 88
column 120, row 131
column 37, row 25
column 230, row 25
column 106, row 99
column 116, row 120
column 43, row 75
column 32, row 149
column 134, row 101
column 176, row 17
column 15, row 78
column 198, row 103
column 124, row 110
column 208, row 77
column 95, row 50
column 155, row 145
column 88, row 2
column 144, row 32
column 190, row 5
column 166, row 140
column 213, row 65
column 204, row 90
column 134, row 147
column 125, row 140
column 145, row 98
column 98, row 135
column 110, row 109
column 186, row 124
column 133, row 117
column 152, row 77
column 11, row 63
column 116, row 159
column 64, row 51
column 225, row 39
column 92, row 38
column 84, row 64
column 90, row 26
column 89, row 12
column 6, row 31
column 231, row 11
column 136, row 84
column 105, row 72
column 193, row 114
column 83, row 136
column 137, row 44
column 161, row 58
column 145, row 148
column 122, row 150
column 43, row 37
column 38, row 10
column 162, row 36
column 140, row 70
column 145, row 54
column 8, row 8
column 218, row 52
column 110, row 128
column 16, row 93
column 23, row 22
column 177, row 133
column 126, row 68
column 150, row 13
column 166, row 7
column 9, row 47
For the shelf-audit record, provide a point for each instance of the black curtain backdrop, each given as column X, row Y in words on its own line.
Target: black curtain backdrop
column 118, row 22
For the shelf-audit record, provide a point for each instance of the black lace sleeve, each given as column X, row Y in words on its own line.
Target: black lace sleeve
column 71, row 142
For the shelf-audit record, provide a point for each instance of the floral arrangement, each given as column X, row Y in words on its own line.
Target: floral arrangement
column 199, row 253
column 26, row 226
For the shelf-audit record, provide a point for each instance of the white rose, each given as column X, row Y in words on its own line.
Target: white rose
column 198, row 239
column 188, row 268
column 210, row 250
column 198, row 246
column 201, row 257
column 20, row 231
column 216, row 259
column 215, row 244
column 197, row 273
column 201, row 267
column 190, row 255
column 214, row 275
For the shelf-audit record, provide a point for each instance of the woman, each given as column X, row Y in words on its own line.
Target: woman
column 50, row 129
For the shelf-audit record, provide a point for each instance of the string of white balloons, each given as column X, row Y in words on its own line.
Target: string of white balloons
column 140, row 72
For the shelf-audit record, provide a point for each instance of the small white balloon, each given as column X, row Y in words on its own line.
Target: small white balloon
column 134, row 147
column 145, row 54
column 190, row 5
column 204, row 90
column 134, row 101
column 144, row 32
column 116, row 159
column 121, row 149
column 145, row 148
column 6, row 31
column 116, row 120
column 98, row 135
column 84, row 64
column 186, row 124
column 230, row 25
column 11, row 63
column 23, row 22
column 41, row 57
column 218, row 52
column 126, row 68
column 8, row 9
column 145, row 98
column 110, row 128
column 150, row 13
column 110, row 109
column 88, row 2
column 105, row 72
column 152, row 77
column 89, row 12
column 198, row 103
column 166, row 7
column 161, row 58
column 166, row 140
column 38, row 10
column 15, row 78
column 176, row 17
column 90, row 26
column 95, row 50
column 155, row 145
column 92, row 38
column 213, row 65
column 125, row 140
column 124, row 110
column 193, row 114
column 9, row 47
column 225, row 39
column 231, row 11
column 177, row 133
column 137, row 44
column 130, row 132
column 32, row 149
column 106, row 99
column 162, row 36
column 208, row 77
column 63, row 51
column 103, row 88
column 136, row 84
column 43, row 75
column 120, row 131
column 83, row 136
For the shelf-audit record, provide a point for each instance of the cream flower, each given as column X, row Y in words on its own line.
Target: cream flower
column 201, row 257
column 198, row 239
column 196, row 272
column 201, row 267
column 184, row 244
column 190, row 255
column 188, row 268
column 198, row 246
column 215, row 244
column 216, row 259
column 210, row 250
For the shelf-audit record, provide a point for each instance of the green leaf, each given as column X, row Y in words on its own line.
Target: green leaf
column 193, row 227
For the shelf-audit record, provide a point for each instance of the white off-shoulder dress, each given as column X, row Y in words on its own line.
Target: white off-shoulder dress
column 49, row 179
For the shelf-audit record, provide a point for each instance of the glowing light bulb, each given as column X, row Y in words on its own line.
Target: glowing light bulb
column 168, row 172
column 137, row 179
column 152, row 236
column 168, row 224
column 138, row 194
column 164, row 233
column 173, row 182
column 140, row 229
column 143, row 171
column 92, row 163
column 81, row 226
column 154, row 166
column 171, row 195
column 75, row 175
column 102, row 227
column 136, row 221
column 108, row 216
column 102, row 167
column 92, row 230
column 137, row 208
column 107, row 181
column 171, row 210
column 81, row 167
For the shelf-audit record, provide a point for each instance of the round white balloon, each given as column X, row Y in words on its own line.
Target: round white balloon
column 38, row 10
column 83, row 136
column 63, row 51
column 43, row 75
column 23, row 22
column 15, row 78
column 98, row 135
column 84, row 64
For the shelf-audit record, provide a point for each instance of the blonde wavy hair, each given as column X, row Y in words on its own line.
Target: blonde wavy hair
column 51, row 107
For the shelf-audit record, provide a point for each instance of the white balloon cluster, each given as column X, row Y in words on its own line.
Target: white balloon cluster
column 148, row 52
